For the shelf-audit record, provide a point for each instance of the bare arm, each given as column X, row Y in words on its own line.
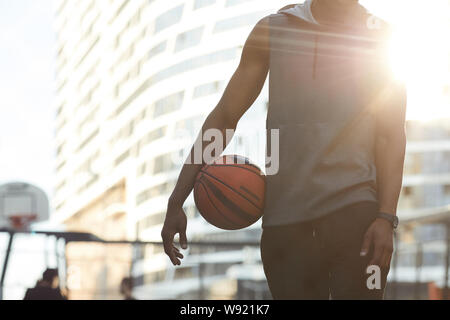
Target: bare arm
column 389, row 158
column 390, row 149
column 241, row 92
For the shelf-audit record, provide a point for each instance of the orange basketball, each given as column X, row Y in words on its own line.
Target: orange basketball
column 229, row 193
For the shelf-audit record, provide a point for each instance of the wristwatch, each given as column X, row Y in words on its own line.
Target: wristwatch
column 393, row 219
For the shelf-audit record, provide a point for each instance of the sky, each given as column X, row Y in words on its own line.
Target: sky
column 26, row 92
column 27, row 78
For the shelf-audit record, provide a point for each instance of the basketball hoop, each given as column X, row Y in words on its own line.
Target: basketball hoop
column 22, row 204
column 21, row 221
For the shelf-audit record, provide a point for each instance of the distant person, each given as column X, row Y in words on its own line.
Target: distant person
column 126, row 288
column 47, row 288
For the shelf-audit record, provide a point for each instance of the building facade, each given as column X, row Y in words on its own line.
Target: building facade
column 422, row 247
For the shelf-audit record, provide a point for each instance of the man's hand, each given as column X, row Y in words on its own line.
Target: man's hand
column 379, row 237
column 175, row 222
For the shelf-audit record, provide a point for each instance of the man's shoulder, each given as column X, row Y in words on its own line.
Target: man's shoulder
column 278, row 18
column 269, row 23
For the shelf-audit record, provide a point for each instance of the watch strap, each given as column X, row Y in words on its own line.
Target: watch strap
column 393, row 219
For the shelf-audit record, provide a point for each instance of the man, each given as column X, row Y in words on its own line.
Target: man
column 330, row 210
column 47, row 288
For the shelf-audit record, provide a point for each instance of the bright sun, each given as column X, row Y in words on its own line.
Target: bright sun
column 420, row 53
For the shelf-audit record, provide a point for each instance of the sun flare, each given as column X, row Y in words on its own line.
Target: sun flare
column 420, row 54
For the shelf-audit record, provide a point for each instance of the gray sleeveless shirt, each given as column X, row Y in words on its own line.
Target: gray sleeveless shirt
column 323, row 90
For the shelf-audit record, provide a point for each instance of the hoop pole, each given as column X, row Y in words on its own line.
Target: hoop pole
column 5, row 263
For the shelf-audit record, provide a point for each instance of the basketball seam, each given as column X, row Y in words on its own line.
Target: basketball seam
column 226, row 185
column 232, row 223
column 228, row 203
column 243, row 188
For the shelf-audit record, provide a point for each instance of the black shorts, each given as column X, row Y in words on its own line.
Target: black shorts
column 321, row 259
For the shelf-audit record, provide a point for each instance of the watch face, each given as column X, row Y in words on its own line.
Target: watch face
column 391, row 218
column 395, row 222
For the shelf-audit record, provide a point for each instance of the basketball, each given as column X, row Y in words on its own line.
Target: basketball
column 229, row 193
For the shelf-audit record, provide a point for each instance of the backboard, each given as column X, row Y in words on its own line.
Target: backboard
column 22, row 203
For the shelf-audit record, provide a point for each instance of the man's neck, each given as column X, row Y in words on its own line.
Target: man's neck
column 336, row 12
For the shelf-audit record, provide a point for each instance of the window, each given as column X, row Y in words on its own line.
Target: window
column 124, row 156
column 447, row 190
column 125, row 132
column 207, row 89
column 88, row 97
column 62, row 6
column 192, row 125
column 62, row 85
column 152, row 220
column 198, row 4
column 153, row 277
column 89, row 139
column 194, row 63
column 61, row 185
column 156, row 191
column 230, row 3
column 149, row 138
column 61, row 165
column 156, row 134
column 60, row 149
column 90, row 74
column 91, row 48
column 89, row 9
column 142, row 169
column 134, row 21
column 59, row 206
column 188, row 39
column 184, row 273
column 168, row 19
column 59, row 110
column 162, row 163
column 135, row 95
column 236, row 22
column 88, row 122
column 168, row 104
column 159, row 48
column 124, row 4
